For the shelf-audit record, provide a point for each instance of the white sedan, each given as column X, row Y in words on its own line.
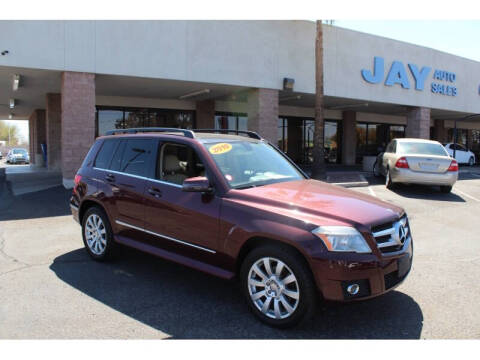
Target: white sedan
column 462, row 155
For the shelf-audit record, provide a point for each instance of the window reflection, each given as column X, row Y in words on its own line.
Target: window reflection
column 109, row 118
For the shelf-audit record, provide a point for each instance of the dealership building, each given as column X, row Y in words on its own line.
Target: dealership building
column 75, row 80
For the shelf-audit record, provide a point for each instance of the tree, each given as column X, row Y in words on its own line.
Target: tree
column 318, row 166
column 9, row 133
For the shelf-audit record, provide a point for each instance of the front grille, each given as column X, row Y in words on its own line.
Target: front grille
column 389, row 236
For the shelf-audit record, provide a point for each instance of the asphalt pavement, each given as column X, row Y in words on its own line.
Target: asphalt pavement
column 50, row 288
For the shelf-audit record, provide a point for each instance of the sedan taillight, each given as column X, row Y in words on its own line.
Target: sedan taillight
column 453, row 166
column 402, row 163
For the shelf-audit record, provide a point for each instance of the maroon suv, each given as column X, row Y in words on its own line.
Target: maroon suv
column 234, row 205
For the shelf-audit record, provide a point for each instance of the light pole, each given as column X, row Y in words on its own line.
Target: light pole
column 455, row 131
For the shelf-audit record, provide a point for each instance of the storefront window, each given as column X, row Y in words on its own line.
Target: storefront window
column 461, row 136
column 396, row 132
column 283, row 134
column 109, row 120
column 124, row 118
column 231, row 121
column 373, row 138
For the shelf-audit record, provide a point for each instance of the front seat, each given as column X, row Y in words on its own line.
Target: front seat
column 172, row 171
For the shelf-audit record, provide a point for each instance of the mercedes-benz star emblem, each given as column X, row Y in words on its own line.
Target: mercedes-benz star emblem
column 400, row 234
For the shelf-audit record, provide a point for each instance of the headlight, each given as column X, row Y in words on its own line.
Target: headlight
column 342, row 238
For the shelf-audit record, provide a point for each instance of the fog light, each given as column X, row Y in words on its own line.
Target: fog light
column 353, row 289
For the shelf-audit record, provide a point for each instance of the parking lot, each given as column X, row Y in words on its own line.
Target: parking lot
column 50, row 288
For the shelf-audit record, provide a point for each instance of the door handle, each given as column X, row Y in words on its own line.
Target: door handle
column 110, row 177
column 155, row 192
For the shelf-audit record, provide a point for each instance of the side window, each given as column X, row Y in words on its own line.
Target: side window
column 177, row 162
column 136, row 156
column 105, row 154
column 117, row 157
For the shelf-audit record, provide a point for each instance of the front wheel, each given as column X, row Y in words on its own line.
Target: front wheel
column 471, row 161
column 278, row 286
column 376, row 169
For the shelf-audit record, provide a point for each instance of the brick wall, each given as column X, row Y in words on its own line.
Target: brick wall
column 78, row 121
column 38, row 135
column 262, row 108
column 418, row 123
column 205, row 114
column 54, row 131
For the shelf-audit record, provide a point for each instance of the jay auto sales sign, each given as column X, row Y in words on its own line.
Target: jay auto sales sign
column 411, row 76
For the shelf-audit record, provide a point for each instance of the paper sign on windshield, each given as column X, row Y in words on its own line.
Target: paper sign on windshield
column 220, row 148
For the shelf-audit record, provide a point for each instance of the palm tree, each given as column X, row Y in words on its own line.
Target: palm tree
column 318, row 166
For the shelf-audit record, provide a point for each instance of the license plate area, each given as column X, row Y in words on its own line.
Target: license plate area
column 428, row 166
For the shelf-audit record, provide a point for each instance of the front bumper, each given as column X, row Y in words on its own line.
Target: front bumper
column 408, row 176
column 375, row 275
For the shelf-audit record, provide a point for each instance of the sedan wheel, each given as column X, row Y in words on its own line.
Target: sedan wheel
column 471, row 161
column 388, row 180
column 376, row 169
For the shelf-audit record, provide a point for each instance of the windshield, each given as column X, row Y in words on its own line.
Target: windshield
column 412, row 148
column 247, row 164
column 19, row 151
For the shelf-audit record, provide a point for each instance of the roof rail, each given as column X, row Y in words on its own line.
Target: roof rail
column 185, row 132
column 251, row 134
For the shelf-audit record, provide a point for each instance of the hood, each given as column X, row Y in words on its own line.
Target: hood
column 319, row 203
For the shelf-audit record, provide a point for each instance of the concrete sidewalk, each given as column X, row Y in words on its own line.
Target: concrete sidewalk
column 25, row 179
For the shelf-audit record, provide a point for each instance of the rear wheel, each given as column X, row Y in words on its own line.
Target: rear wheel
column 97, row 234
column 445, row 189
column 278, row 286
column 388, row 180
column 471, row 161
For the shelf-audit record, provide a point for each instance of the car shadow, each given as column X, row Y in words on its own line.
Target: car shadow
column 185, row 303
column 422, row 192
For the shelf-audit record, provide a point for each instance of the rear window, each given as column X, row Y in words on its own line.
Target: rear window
column 105, row 154
column 412, row 148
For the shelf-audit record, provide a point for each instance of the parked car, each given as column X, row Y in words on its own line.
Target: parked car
column 417, row 161
column 462, row 155
column 236, row 207
column 16, row 156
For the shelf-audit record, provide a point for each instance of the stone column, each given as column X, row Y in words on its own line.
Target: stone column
column 54, row 132
column 349, row 141
column 439, row 131
column 418, row 123
column 205, row 114
column 78, row 121
column 31, row 136
column 262, row 108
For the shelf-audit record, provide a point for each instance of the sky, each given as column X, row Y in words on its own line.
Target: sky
column 458, row 37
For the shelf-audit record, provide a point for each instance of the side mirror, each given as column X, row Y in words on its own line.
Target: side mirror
column 197, row 184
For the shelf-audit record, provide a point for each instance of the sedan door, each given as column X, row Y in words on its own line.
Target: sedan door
column 182, row 222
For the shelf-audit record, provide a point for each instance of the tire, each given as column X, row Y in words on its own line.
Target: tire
column 445, row 189
column 471, row 161
column 282, row 310
column 376, row 170
column 388, row 181
column 99, row 248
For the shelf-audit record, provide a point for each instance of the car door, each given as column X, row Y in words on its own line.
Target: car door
column 123, row 183
column 183, row 222
column 462, row 156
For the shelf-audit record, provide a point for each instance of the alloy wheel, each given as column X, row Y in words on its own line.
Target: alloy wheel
column 95, row 234
column 273, row 288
